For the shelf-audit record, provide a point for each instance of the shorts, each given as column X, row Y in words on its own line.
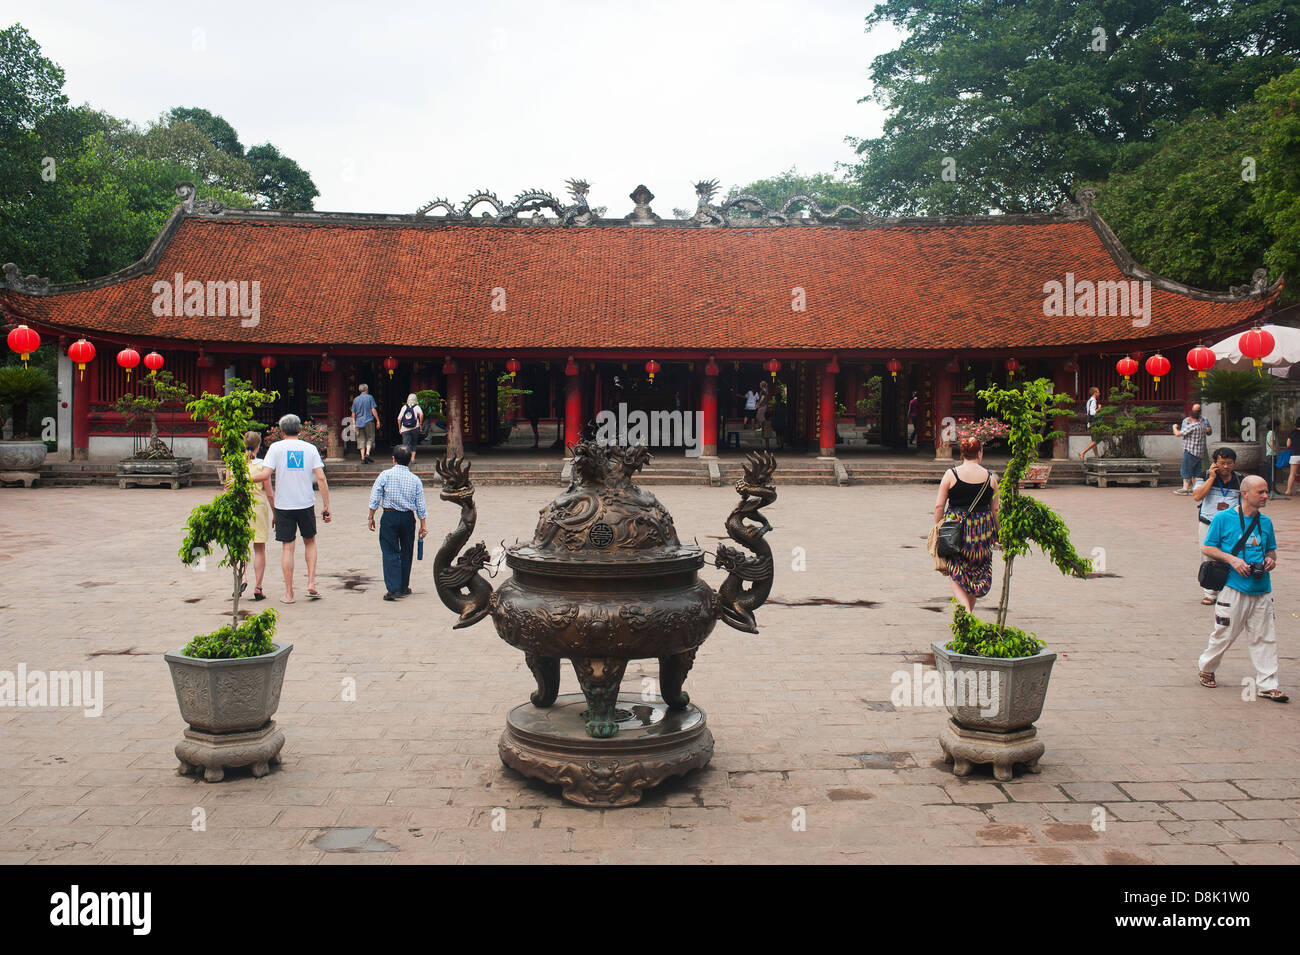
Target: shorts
column 1191, row 466
column 286, row 522
column 366, row 433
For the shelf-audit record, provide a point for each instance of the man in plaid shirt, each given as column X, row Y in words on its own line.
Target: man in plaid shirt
column 401, row 495
column 1194, row 431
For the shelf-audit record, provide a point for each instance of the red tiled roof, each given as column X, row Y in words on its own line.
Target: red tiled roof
column 908, row 286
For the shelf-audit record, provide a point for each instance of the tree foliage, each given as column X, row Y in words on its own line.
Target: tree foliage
column 227, row 520
column 829, row 191
column 1022, row 520
column 1028, row 99
column 20, row 388
column 83, row 193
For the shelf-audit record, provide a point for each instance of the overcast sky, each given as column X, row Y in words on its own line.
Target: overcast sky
column 389, row 105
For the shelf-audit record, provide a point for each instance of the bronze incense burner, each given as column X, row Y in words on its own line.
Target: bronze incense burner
column 605, row 580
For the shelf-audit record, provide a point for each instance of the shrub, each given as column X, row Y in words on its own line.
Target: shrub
column 973, row 636
column 251, row 638
column 988, row 430
column 20, row 387
column 313, row 433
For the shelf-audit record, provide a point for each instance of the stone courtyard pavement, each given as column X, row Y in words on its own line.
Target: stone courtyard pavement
column 799, row 712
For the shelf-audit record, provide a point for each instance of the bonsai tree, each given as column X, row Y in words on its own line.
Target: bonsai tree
column 227, row 520
column 134, row 407
column 21, row 387
column 507, row 400
column 434, row 408
column 1236, row 391
column 1026, row 410
column 1119, row 422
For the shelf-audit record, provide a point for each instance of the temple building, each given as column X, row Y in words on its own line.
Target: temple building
column 654, row 313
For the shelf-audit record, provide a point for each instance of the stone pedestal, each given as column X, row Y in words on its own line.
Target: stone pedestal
column 214, row 753
column 143, row 472
column 964, row 747
column 13, row 477
column 653, row 743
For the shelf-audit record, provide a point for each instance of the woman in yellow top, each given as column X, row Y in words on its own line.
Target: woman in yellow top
column 263, row 505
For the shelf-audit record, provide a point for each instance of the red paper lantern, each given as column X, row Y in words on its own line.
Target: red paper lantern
column 1200, row 360
column 894, row 366
column 513, row 367
column 773, row 366
column 1256, row 345
column 652, row 368
column 1012, row 367
column 1126, row 367
column 24, row 341
column 1157, row 367
column 268, row 362
column 390, row 363
column 153, row 361
column 128, row 358
column 81, row 351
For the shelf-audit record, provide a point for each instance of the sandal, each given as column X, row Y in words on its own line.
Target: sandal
column 1207, row 600
column 258, row 595
column 313, row 594
column 1207, row 679
column 1277, row 696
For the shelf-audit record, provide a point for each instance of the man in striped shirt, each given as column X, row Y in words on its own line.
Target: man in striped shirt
column 401, row 496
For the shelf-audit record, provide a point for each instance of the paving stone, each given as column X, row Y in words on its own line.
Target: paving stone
column 1203, row 810
column 415, row 756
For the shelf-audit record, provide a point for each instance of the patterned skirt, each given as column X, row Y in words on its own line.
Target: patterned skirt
column 973, row 570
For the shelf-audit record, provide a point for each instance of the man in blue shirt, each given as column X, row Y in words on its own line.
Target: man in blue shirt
column 401, row 495
column 1246, row 602
column 365, row 418
column 1219, row 490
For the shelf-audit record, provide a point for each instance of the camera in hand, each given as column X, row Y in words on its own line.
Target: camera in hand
column 1256, row 570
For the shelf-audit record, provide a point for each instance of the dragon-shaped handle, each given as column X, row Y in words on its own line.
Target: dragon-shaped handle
column 459, row 584
column 736, row 605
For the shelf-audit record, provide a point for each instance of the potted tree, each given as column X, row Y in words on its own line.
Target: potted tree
column 228, row 681
column 435, row 414
column 995, row 675
column 153, row 462
column 1236, row 391
column 1119, row 424
column 20, row 388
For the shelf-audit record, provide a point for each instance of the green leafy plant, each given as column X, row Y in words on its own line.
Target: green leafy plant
column 21, row 387
column 976, row 637
column 432, row 404
column 1120, row 423
column 1235, row 390
column 1022, row 521
column 252, row 638
column 869, row 403
column 227, row 519
column 135, row 407
column 507, row 399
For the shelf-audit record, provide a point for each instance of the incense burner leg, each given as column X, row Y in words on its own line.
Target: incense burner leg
column 600, row 678
column 672, row 674
column 546, row 671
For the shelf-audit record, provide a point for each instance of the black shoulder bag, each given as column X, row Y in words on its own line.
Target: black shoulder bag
column 952, row 533
column 1213, row 574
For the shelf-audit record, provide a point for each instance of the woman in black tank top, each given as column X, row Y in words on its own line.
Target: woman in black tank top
column 973, row 500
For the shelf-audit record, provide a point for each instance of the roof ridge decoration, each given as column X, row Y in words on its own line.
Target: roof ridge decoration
column 186, row 192
column 530, row 200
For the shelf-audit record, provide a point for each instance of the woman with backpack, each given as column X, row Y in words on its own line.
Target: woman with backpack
column 409, row 421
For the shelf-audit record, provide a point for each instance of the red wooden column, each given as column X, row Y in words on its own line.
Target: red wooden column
column 1063, row 384
column 572, row 403
column 212, row 381
column 336, row 400
column 942, row 409
column 455, row 408
column 826, row 416
column 709, row 405
column 81, row 412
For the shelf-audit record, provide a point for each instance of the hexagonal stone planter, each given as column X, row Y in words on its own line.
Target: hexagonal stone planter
column 174, row 472
column 228, row 705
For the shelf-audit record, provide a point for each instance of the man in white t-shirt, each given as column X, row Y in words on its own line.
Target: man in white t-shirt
column 294, row 463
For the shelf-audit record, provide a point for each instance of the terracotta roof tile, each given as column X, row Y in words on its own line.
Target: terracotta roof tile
column 925, row 286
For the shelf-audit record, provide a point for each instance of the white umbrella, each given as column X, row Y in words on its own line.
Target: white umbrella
column 1285, row 353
